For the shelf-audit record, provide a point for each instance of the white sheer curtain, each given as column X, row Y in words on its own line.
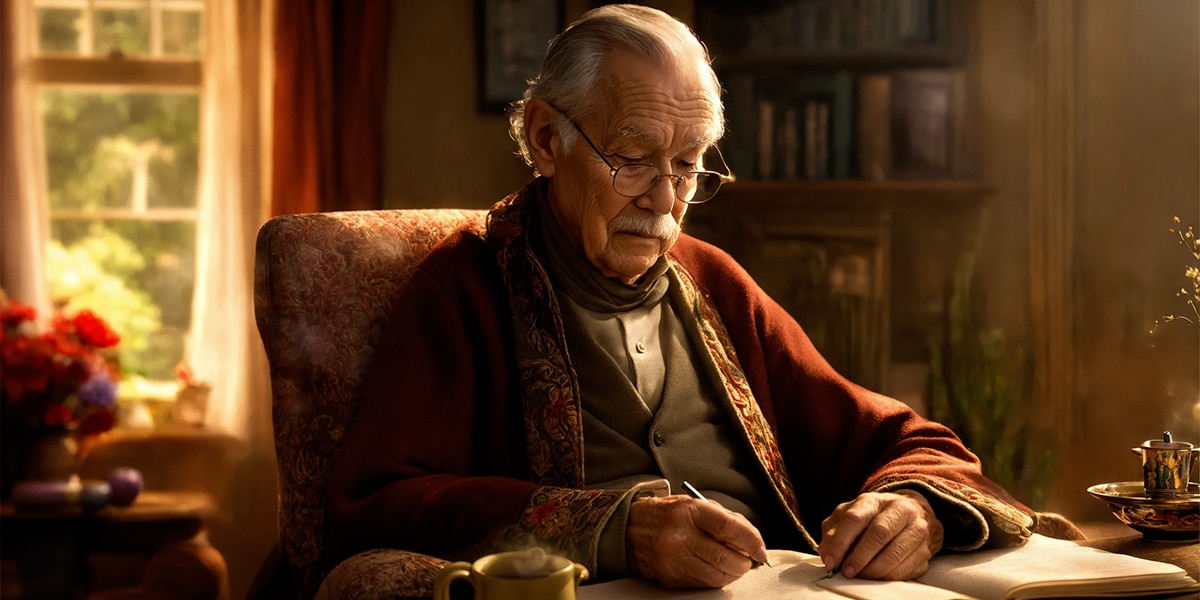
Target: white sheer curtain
column 224, row 348
column 24, row 213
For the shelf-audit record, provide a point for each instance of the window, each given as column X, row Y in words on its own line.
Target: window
column 118, row 85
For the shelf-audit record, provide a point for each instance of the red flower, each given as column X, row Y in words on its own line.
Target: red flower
column 64, row 344
column 27, row 364
column 93, row 331
column 41, row 375
column 58, row 415
column 98, row 420
column 14, row 313
column 24, row 352
column 16, row 385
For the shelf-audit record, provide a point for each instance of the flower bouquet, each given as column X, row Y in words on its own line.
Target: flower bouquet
column 58, row 383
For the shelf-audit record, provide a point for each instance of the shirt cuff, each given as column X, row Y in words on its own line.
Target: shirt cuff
column 611, row 560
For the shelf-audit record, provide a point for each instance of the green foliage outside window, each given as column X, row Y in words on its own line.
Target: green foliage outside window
column 58, row 30
column 93, row 273
column 133, row 153
column 124, row 30
column 95, row 141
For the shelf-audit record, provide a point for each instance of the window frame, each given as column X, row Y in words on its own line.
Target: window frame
column 116, row 73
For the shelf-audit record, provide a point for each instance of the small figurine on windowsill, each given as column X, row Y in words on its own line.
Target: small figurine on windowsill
column 191, row 402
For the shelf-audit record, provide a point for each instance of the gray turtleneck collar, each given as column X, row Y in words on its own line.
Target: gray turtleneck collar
column 580, row 279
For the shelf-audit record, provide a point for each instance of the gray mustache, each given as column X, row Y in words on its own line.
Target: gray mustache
column 662, row 227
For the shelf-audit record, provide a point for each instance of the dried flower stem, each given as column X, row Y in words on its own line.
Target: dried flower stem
column 1187, row 239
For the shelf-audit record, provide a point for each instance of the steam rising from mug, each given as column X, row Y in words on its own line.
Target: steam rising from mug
column 531, row 563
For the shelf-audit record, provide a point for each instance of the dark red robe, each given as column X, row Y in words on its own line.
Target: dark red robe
column 470, row 438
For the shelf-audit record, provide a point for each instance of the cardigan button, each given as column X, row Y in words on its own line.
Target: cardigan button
column 640, row 347
column 659, row 439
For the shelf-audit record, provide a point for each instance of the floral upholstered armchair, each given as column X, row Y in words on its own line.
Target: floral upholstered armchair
column 323, row 285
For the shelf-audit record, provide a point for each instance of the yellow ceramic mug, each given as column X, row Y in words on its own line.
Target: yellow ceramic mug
column 521, row 575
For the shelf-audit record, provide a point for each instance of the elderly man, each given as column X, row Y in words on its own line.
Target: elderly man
column 554, row 379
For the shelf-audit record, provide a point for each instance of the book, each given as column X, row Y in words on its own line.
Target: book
column 741, row 140
column 832, row 127
column 766, row 139
column 874, row 126
column 914, row 124
column 1051, row 568
column 789, row 145
column 816, row 139
column 962, row 142
column 1041, row 568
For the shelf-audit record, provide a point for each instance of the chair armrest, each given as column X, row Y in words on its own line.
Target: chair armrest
column 382, row 573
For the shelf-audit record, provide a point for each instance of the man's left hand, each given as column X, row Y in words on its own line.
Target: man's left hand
column 881, row 536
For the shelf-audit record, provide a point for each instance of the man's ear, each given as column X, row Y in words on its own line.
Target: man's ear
column 539, row 129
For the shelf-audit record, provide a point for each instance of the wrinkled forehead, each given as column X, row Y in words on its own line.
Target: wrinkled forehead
column 657, row 102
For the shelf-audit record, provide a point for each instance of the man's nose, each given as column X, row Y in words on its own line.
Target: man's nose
column 661, row 196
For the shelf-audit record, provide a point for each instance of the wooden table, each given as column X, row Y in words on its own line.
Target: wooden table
column 51, row 547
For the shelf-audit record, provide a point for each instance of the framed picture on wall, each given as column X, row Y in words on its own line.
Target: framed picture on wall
column 929, row 124
column 512, row 43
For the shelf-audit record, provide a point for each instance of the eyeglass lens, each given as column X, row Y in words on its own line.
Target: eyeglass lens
column 694, row 186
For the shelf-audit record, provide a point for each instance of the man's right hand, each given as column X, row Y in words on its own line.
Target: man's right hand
column 688, row 543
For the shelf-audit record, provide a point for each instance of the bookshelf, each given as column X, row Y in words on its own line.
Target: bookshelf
column 849, row 126
column 843, row 89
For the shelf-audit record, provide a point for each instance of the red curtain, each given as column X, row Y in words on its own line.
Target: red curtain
column 330, row 81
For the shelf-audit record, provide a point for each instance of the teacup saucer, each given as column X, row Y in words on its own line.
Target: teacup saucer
column 1165, row 519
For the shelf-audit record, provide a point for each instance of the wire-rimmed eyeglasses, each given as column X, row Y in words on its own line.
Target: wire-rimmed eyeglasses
column 636, row 179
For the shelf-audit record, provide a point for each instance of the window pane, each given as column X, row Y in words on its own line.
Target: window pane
column 58, row 29
column 121, row 150
column 137, row 275
column 127, row 31
column 134, row 153
column 181, row 32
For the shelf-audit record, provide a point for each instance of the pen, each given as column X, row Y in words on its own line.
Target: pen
column 695, row 493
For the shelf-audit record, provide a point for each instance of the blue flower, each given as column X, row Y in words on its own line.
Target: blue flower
column 99, row 391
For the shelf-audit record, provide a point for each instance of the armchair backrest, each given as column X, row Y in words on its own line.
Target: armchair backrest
column 323, row 286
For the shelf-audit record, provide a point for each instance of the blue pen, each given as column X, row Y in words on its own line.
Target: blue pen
column 695, row 493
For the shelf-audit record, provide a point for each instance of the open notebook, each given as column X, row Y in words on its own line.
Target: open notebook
column 1042, row 568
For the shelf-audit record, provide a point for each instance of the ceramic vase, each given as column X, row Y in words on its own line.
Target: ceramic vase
column 37, row 456
column 53, row 457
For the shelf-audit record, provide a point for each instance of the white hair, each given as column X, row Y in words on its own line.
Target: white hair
column 575, row 60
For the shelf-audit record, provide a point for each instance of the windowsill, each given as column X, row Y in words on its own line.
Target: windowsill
column 165, row 431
